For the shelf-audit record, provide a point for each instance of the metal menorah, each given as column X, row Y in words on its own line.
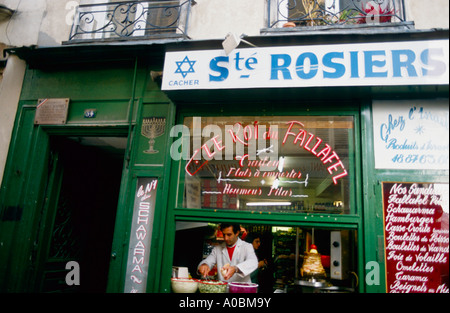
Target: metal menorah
column 152, row 127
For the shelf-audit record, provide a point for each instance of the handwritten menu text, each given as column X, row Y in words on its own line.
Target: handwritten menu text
column 416, row 221
column 411, row 134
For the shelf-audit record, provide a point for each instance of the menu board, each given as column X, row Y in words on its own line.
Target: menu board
column 411, row 134
column 416, row 229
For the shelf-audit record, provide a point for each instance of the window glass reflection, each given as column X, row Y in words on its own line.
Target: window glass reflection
column 279, row 164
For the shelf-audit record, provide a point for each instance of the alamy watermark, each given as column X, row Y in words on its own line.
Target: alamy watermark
column 373, row 273
column 73, row 276
column 71, row 6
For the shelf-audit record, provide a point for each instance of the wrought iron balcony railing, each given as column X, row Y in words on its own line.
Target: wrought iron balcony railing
column 131, row 20
column 335, row 13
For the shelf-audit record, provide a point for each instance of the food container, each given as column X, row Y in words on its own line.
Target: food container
column 243, row 287
column 212, row 286
column 184, row 285
column 180, row 272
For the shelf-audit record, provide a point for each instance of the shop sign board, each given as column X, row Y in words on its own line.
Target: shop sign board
column 362, row 64
column 411, row 134
column 416, row 217
column 141, row 235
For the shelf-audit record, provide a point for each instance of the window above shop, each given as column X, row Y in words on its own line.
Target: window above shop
column 301, row 15
column 129, row 20
column 287, row 164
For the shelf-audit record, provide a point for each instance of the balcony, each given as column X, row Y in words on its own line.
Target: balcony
column 130, row 20
column 304, row 15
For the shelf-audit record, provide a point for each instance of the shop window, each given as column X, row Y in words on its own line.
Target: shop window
column 288, row 164
column 291, row 259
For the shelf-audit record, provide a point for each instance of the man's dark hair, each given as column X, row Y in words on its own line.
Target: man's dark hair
column 236, row 227
column 252, row 236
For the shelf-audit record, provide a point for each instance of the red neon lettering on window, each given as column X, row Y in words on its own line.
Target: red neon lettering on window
column 325, row 152
column 306, row 147
column 319, row 141
column 334, row 167
column 288, row 132
column 248, row 132
column 301, row 135
column 217, row 144
column 332, row 156
column 241, row 162
column 234, row 136
column 335, row 178
column 195, row 162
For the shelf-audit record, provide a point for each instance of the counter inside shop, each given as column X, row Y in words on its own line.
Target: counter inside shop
column 285, row 255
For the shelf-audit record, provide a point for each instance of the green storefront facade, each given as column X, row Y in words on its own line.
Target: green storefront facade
column 113, row 90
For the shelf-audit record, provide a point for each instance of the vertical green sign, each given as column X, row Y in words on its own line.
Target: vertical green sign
column 141, row 235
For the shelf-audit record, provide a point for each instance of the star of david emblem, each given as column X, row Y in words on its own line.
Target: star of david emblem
column 185, row 67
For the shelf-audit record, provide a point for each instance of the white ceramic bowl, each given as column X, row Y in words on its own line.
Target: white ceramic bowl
column 184, row 285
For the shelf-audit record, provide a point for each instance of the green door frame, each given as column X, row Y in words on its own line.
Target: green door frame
column 23, row 189
column 48, row 210
column 118, row 90
column 29, row 153
column 120, row 227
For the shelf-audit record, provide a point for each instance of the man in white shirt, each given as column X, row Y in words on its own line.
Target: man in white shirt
column 235, row 259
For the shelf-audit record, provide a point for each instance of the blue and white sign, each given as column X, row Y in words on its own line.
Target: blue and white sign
column 362, row 64
column 411, row 134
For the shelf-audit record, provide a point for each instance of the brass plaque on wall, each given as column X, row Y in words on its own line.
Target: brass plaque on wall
column 51, row 111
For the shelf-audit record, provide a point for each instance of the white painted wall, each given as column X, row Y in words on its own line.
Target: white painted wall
column 23, row 27
column 35, row 22
column 10, row 88
column 428, row 14
column 211, row 19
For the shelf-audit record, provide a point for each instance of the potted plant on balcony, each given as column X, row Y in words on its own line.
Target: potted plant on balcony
column 313, row 9
column 289, row 24
column 349, row 16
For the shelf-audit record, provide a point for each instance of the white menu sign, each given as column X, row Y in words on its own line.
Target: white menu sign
column 411, row 134
column 141, row 235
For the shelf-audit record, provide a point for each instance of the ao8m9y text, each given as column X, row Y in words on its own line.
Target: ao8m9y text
column 208, row 304
column 246, row 303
